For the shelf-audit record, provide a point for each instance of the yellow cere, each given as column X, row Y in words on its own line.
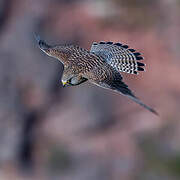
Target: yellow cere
column 64, row 82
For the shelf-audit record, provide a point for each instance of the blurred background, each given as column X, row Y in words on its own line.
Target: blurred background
column 85, row 132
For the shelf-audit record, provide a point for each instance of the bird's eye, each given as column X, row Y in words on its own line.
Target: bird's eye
column 69, row 81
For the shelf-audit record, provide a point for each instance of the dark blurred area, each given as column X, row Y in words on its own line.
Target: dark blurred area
column 85, row 132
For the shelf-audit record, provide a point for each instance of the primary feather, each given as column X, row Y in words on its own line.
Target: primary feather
column 112, row 79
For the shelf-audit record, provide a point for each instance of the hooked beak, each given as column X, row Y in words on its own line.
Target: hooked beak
column 64, row 83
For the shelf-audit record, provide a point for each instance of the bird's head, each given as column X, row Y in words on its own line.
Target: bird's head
column 73, row 80
column 67, row 78
column 66, row 83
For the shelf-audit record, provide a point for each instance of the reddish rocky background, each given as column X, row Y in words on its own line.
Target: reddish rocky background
column 85, row 132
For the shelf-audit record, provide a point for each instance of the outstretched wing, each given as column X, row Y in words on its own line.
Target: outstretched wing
column 119, row 56
column 114, row 82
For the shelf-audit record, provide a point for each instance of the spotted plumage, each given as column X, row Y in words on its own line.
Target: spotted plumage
column 119, row 56
column 101, row 65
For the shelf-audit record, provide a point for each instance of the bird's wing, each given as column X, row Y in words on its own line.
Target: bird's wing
column 119, row 56
column 114, row 82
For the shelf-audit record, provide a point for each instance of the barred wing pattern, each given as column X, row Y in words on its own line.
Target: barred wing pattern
column 119, row 56
column 114, row 82
column 101, row 65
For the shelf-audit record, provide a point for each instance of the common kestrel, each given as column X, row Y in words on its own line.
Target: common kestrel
column 101, row 65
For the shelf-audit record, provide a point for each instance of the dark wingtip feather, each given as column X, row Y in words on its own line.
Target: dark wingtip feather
column 109, row 42
column 140, row 69
column 132, row 50
column 42, row 44
column 120, row 86
column 125, row 46
column 155, row 112
column 118, row 44
column 95, row 43
column 139, row 58
column 137, row 54
column 140, row 64
column 137, row 100
column 102, row 42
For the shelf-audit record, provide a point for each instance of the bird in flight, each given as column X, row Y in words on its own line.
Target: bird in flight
column 102, row 65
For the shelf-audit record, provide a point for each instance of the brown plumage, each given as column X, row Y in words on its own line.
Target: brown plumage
column 101, row 65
